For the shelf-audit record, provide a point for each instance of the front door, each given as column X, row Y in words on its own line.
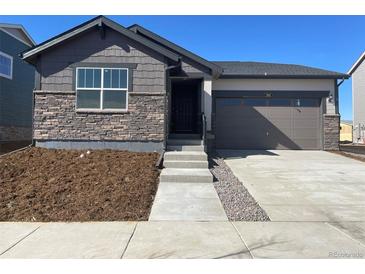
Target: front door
column 184, row 109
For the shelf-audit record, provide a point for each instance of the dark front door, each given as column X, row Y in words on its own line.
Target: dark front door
column 184, row 109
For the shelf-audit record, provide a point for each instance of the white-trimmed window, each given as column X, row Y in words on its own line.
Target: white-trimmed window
column 102, row 89
column 6, row 65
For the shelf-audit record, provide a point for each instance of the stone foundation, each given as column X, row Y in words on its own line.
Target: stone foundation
column 55, row 119
column 331, row 131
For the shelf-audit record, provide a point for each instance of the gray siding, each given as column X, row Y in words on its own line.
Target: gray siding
column 57, row 69
column 192, row 67
column 16, row 94
column 55, row 117
column 358, row 97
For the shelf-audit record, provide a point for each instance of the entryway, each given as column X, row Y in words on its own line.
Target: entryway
column 185, row 106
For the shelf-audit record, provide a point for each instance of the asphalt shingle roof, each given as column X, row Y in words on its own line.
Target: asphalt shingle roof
column 233, row 69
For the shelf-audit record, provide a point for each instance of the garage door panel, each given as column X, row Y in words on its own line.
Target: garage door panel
column 283, row 123
column 304, row 134
column 267, row 127
column 307, row 143
column 305, row 113
column 279, row 112
column 235, row 142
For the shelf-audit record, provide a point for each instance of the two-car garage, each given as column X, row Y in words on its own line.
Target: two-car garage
column 271, row 121
column 259, row 106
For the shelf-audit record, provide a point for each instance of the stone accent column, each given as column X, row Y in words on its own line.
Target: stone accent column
column 331, row 131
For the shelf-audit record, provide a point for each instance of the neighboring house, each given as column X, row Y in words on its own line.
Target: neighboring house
column 346, row 131
column 16, row 86
column 101, row 85
column 357, row 73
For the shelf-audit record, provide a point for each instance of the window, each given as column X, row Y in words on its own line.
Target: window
column 306, row 102
column 229, row 102
column 6, row 65
column 102, row 88
column 280, row 102
column 254, row 102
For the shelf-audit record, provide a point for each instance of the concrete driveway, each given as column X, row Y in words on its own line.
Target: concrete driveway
column 302, row 185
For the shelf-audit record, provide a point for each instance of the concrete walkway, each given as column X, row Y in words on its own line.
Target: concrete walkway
column 302, row 185
column 168, row 239
column 186, row 191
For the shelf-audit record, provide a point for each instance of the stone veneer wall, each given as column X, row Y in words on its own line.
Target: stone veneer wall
column 331, row 131
column 55, row 118
column 15, row 133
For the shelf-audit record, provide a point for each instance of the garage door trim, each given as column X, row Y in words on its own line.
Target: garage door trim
column 272, row 94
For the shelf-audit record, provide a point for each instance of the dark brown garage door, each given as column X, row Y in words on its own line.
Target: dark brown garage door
column 275, row 123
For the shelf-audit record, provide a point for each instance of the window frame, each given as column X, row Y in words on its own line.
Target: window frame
column 10, row 77
column 101, row 89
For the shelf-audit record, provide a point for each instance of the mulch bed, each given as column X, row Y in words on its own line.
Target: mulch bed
column 45, row 185
column 11, row 146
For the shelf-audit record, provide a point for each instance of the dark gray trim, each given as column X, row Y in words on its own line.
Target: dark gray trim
column 193, row 75
column 273, row 93
column 66, row 92
column 111, row 65
column 96, row 22
column 138, row 146
column 37, row 80
column 129, row 66
column 281, row 76
column 336, row 98
column 321, row 133
column 215, row 69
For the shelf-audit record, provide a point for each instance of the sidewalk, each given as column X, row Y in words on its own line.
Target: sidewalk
column 170, row 239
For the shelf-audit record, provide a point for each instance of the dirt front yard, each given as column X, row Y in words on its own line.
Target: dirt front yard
column 45, row 185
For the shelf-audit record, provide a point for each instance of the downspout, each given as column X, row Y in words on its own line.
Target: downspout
column 336, row 95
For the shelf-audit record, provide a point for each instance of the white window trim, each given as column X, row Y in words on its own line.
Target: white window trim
column 11, row 66
column 101, row 109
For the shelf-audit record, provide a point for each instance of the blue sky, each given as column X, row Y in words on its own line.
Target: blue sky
column 329, row 42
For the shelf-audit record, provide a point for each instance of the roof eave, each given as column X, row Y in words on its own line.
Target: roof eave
column 30, row 54
column 261, row 76
column 21, row 27
column 215, row 69
column 357, row 64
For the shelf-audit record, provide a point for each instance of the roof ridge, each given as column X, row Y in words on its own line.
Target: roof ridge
column 247, row 69
column 216, row 69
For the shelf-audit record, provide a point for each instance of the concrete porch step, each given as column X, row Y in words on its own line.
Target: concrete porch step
column 182, row 142
column 185, row 164
column 185, row 156
column 185, row 147
column 186, row 175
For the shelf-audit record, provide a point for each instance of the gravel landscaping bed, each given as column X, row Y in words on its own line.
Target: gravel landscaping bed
column 45, row 185
column 237, row 201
